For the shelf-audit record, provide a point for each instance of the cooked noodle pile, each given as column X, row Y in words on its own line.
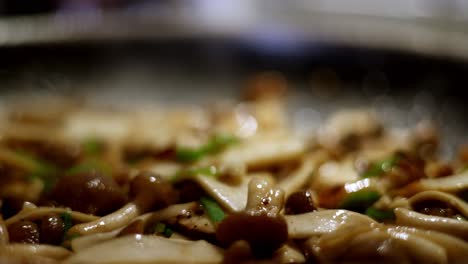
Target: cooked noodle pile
column 225, row 183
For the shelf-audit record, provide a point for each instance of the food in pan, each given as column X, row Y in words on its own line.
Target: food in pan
column 229, row 182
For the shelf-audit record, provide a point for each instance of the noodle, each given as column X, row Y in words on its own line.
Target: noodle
column 230, row 183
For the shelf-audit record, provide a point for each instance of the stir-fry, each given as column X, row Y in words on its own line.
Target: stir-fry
column 225, row 183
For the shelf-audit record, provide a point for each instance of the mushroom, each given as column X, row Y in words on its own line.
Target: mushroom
column 148, row 191
column 260, row 224
column 148, row 249
column 89, row 192
column 261, row 152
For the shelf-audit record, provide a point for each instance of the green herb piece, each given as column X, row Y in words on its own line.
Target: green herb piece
column 359, row 201
column 380, row 215
column 220, row 141
column 42, row 170
column 381, row 167
column 67, row 221
column 213, row 146
column 212, row 209
column 210, row 171
column 163, row 229
column 90, row 165
column 92, row 146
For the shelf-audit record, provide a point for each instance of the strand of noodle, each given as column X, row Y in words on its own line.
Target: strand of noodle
column 39, row 212
column 455, row 247
column 447, row 198
column 109, row 222
column 405, row 217
column 53, row 252
column 172, row 211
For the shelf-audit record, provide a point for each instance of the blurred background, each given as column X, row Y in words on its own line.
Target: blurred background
column 406, row 59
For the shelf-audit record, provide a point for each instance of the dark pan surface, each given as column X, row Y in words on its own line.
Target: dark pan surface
column 402, row 87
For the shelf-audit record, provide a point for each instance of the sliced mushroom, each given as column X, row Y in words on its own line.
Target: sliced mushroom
column 261, row 152
column 321, row 222
column 167, row 169
column 454, row 227
column 301, row 176
column 332, row 173
column 101, row 124
column 233, row 198
column 344, row 129
column 148, row 249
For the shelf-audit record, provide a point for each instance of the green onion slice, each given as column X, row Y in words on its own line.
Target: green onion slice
column 212, row 209
column 92, row 146
column 210, row 171
column 163, row 229
column 359, row 201
column 381, row 167
column 380, row 215
column 90, row 165
column 213, row 146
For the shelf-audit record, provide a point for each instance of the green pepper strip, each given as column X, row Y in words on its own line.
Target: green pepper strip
column 380, row 215
column 214, row 145
column 92, row 146
column 42, row 170
column 163, row 229
column 211, row 171
column 359, row 201
column 212, row 209
column 90, row 165
column 380, row 167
